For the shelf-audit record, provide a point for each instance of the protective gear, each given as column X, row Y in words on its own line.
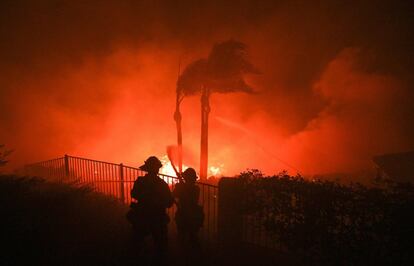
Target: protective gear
column 151, row 164
column 190, row 175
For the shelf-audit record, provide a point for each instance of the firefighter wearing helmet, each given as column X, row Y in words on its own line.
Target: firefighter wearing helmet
column 189, row 216
column 148, row 214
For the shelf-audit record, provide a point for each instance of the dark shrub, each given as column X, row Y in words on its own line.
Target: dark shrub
column 325, row 222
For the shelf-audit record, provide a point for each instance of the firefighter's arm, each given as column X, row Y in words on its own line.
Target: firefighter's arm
column 169, row 199
column 135, row 190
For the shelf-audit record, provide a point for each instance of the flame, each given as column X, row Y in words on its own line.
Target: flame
column 215, row 171
column 167, row 168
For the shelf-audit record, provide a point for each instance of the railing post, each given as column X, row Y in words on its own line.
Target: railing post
column 121, row 183
column 229, row 220
column 66, row 166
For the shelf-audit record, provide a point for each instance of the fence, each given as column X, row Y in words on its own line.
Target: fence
column 116, row 180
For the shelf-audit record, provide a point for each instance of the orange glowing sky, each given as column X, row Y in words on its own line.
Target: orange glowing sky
column 98, row 81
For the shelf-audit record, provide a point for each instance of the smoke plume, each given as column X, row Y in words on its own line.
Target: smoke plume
column 99, row 79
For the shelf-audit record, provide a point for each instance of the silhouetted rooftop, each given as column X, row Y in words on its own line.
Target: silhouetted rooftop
column 398, row 166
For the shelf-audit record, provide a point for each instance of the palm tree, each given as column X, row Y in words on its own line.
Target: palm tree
column 223, row 72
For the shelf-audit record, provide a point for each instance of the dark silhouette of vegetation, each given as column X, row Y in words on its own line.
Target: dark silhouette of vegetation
column 326, row 223
column 47, row 223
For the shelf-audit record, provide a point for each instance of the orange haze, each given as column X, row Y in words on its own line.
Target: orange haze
column 101, row 84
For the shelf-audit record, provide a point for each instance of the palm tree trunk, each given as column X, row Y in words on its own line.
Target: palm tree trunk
column 177, row 118
column 205, row 110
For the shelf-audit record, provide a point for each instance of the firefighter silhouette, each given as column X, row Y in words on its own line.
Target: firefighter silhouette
column 148, row 214
column 189, row 216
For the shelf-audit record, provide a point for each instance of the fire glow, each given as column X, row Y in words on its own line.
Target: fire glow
column 108, row 91
column 167, row 169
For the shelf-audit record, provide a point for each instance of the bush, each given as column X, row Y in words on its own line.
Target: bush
column 324, row 222
column 47, row 223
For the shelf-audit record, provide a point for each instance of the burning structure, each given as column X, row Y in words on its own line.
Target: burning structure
column 223, row 72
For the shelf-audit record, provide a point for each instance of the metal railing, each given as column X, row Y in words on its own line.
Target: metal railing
column 116, row 180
